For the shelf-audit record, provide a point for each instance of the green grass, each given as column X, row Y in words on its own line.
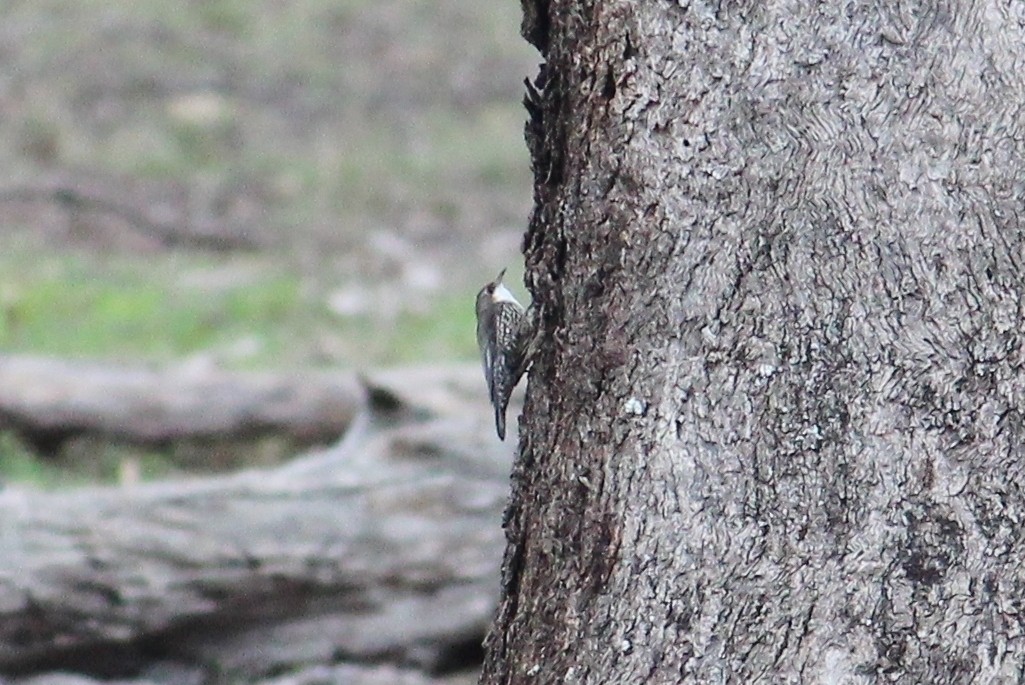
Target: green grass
column 85, row 305
column 18, row 463
column 85, row 462
column 443, row 333
column 244, row 312
column 447, row 332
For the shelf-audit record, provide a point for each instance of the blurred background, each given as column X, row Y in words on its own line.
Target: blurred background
column 252, row 185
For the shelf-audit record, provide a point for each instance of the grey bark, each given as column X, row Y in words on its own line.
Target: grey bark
column 774, row 434
column 383, row 549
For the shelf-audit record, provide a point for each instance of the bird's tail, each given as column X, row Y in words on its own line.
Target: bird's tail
column 500, row 421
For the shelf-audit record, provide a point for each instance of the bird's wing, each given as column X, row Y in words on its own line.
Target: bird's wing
column 488, row 361
column 518, row 364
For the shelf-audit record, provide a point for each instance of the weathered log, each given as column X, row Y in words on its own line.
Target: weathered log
column 346, row 674
column 49, row 400
column 383, row 548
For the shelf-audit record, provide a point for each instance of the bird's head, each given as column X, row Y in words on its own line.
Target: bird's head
column 494, row 292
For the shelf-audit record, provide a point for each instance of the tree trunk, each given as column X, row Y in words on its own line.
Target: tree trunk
column 774, row 434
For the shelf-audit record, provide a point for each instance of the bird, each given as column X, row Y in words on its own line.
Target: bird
column 503, row 337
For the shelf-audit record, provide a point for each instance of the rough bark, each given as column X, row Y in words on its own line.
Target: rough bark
column 50, row 400
column 775, row 432
column 383, row 549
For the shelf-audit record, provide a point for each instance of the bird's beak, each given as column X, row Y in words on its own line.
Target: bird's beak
column 500, row 275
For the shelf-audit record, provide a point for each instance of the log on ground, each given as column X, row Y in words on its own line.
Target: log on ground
column 50, row 400
column 382, row 549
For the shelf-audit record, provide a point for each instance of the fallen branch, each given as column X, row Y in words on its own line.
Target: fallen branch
column 49, row 400
column 383, row 548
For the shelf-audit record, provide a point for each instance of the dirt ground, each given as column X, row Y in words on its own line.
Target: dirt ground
column 365, row 142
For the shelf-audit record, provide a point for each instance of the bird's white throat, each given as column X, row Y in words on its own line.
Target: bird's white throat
column 502, row 294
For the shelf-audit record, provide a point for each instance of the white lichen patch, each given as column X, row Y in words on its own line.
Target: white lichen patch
column 635, row 406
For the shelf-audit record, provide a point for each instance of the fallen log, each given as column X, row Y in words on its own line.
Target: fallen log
column 346, row 674
column 382, row 549
column 49, row 400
